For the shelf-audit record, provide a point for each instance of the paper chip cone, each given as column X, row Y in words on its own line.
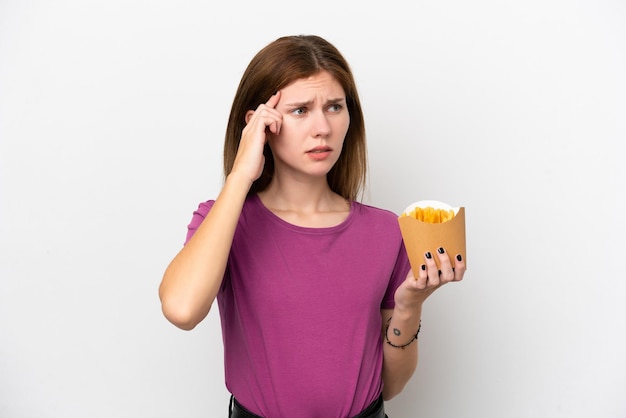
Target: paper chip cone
column 420, row 237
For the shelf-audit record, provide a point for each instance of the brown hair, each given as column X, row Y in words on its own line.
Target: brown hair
column 279, row 64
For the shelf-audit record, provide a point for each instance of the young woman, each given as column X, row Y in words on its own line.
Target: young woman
column 319, row 308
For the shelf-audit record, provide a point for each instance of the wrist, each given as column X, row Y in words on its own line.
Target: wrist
column 394, row 341
column 407, row 312
column 238, row 180
column 403, row 326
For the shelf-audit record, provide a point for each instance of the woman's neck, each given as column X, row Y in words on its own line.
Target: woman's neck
column 311, row 204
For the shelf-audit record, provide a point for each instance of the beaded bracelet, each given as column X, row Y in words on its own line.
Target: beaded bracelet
column 403, row 345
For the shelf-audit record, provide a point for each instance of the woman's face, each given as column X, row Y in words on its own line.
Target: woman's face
column 315, row 123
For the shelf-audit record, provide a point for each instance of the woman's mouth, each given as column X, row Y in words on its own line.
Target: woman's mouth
column 319, row 153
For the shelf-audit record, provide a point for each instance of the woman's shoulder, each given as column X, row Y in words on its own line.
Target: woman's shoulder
column 378, row 223
column 375, row 212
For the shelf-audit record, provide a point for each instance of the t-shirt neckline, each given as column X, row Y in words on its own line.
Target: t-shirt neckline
column 271, row 216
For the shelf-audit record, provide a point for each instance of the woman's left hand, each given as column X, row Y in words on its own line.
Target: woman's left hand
column 416, row 288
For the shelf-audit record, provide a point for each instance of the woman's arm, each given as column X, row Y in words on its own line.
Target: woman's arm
column 193, row 278
column 399, row 363
column 402, row 323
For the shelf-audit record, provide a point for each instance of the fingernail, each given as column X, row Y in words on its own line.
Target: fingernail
column 423, row 266
column 429, row 255
column 440, row 250
column 458, row 257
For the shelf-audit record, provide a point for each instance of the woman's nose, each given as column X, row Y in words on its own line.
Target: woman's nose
column 321, row 125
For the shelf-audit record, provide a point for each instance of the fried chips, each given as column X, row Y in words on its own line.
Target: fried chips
column 430, row 215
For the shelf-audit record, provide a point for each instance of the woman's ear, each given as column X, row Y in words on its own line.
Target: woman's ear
column 249, row 114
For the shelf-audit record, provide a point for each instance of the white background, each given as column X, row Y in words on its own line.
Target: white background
column 112, row 116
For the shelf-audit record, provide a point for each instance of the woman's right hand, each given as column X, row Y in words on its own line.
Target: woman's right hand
column 250, row 160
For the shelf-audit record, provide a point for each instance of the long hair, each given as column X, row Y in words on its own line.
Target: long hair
column 279, row 64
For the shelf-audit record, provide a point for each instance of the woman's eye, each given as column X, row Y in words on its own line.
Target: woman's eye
column 299, row 111
column 335, row 108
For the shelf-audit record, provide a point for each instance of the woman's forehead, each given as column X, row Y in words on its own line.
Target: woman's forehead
column 322, row 83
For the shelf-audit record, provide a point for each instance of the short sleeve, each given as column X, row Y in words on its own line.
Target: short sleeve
column 401, row 269
column 197, row 218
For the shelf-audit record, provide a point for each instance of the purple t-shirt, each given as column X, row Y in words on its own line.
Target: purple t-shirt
column 300, row 310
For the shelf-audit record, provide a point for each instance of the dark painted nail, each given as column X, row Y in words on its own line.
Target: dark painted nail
column 440, row 250
column 429, row 255
column 458, row 257
column 423, row 266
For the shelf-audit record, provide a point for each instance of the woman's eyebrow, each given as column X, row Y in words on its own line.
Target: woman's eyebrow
column 299, row 104
column 309, row 102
